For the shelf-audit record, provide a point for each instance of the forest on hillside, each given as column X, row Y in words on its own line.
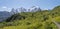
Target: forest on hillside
column 43, row 19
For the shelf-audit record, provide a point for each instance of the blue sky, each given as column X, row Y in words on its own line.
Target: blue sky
column 6, row 5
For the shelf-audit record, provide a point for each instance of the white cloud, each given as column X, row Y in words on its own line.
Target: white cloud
column 4, row 7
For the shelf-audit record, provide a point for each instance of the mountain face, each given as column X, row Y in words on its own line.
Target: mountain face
column 4, row 15
column 34, row 9
column 19, row 10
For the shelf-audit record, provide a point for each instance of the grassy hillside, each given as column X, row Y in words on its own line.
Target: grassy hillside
column 33, row 20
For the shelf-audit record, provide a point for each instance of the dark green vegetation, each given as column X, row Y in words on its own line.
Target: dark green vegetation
column 33, row 20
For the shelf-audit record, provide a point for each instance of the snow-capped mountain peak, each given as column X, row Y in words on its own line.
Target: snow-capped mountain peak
column 34, row 9
column 21, row 9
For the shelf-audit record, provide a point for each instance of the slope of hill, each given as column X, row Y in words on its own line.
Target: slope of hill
column 33, row 20
column 4, row 15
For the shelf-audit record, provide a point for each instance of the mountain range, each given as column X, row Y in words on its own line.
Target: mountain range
column 5, row 14
column 22, row 9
